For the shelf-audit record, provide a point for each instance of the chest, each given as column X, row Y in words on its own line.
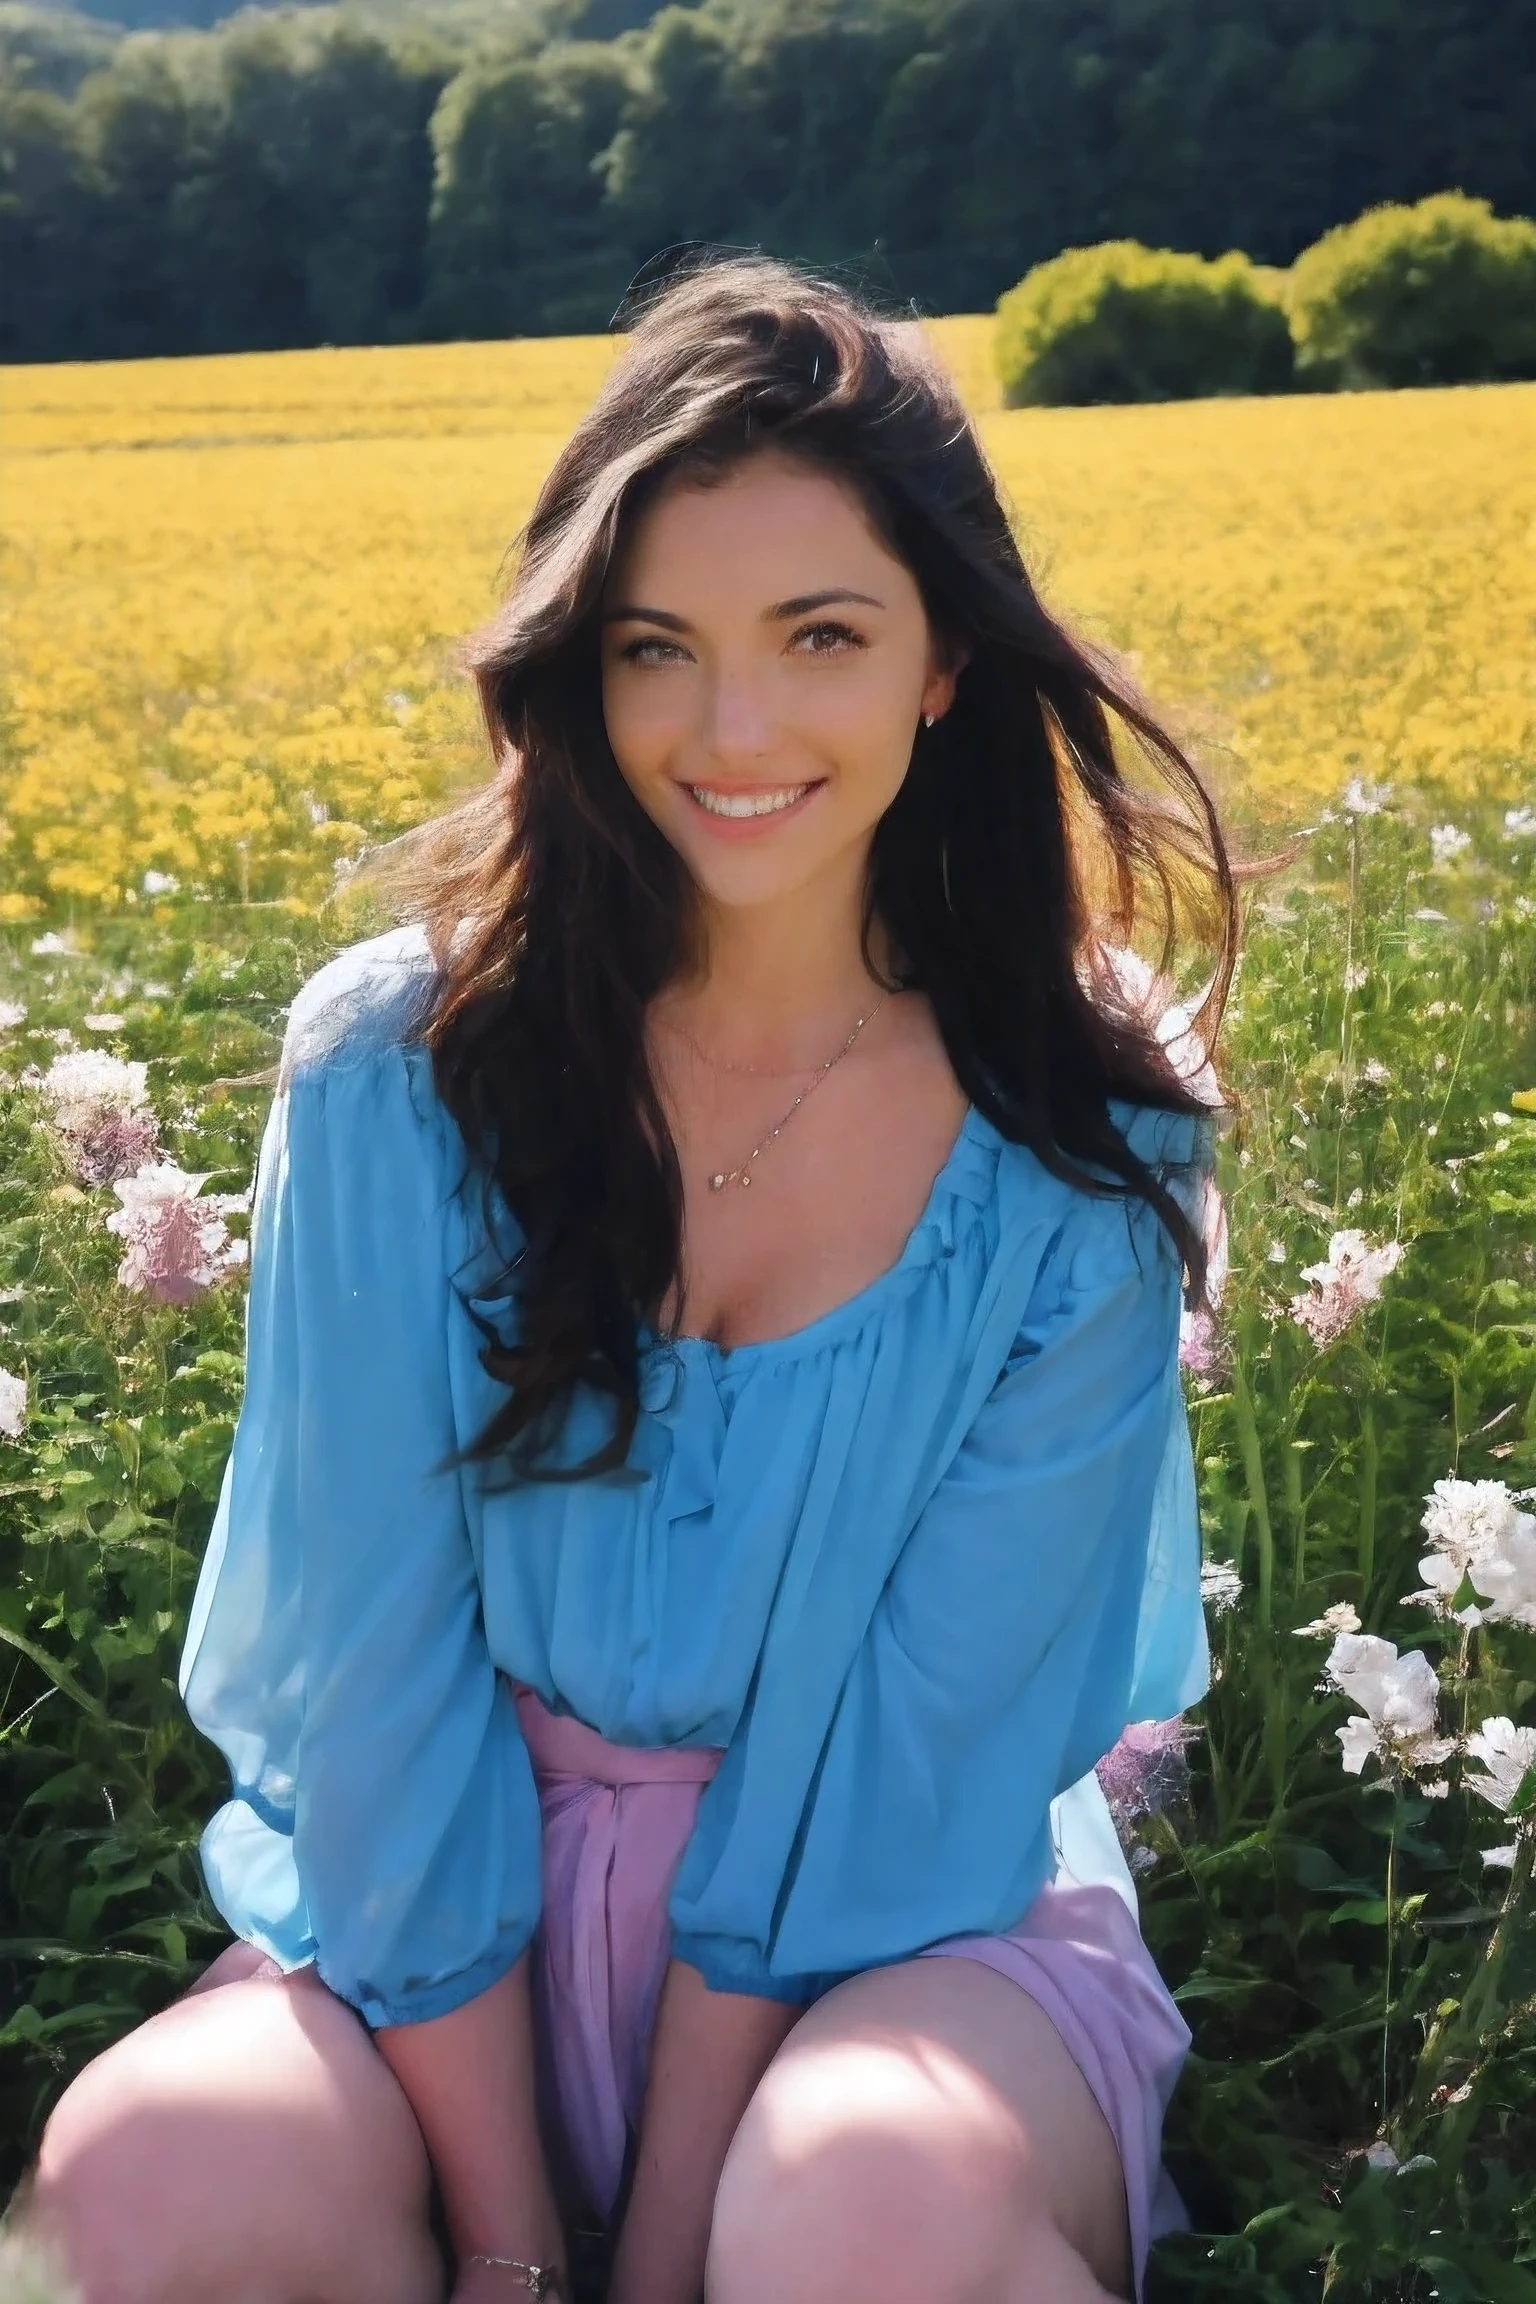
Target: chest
column 832, row 1199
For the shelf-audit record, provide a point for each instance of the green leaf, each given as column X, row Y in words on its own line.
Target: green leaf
column 58, row 1673
column 1372, row 1910
column 1525, row 1794
column 1314, row 1868
column 24, row 2024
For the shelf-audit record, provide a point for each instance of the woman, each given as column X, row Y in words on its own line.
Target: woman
column 689, row 1840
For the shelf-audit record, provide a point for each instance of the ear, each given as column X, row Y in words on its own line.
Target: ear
column 946, row 663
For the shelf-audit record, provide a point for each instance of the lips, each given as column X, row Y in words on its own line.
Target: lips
column 731, row 824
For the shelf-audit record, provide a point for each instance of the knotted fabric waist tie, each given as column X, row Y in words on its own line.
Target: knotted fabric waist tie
column 616, row 1819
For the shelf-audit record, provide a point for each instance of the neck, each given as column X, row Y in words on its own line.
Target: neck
column 784, row 981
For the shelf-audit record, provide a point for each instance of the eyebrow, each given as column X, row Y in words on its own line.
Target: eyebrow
column 804, row 603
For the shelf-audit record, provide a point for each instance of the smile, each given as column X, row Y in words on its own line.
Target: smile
column 740, row 807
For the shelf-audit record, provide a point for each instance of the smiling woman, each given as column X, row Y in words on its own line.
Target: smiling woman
column 760, row 702
column 701, row 1820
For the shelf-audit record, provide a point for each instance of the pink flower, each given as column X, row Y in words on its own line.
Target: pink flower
column 106, row 1124
column 1146, row 1771
column 114, row 1144
column 1349, row 1280
column 1200, row 1347
column 178, row 1245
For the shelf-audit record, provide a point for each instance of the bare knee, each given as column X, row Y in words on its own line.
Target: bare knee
column 868, row 2169
column 246, row 2146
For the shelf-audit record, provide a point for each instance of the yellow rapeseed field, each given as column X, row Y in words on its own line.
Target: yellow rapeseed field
column 232, row 586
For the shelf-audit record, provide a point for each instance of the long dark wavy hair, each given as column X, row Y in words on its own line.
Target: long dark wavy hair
column 556, row 909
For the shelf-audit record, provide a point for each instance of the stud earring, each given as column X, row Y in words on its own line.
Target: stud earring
column 929, row 718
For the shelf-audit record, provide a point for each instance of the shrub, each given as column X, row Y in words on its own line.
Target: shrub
column 1124, row 322
column 1443, row 292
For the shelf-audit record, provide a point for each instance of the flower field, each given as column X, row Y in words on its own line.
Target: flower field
column 231, row 589
column 231, row 585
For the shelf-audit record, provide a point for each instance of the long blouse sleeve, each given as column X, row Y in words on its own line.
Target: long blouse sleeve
column 1046, row 1595
column 383, row 1820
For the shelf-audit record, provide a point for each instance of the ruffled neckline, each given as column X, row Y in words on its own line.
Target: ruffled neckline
column 966, row 1175
column 965, row 1181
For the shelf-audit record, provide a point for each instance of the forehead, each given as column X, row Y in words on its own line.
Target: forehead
column 765, row 513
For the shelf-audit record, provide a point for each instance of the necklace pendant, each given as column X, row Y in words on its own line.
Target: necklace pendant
column 743, row 1174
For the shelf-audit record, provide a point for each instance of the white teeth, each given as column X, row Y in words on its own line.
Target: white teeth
column 750, row 804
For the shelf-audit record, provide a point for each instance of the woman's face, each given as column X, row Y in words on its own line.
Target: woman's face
column 765, row 665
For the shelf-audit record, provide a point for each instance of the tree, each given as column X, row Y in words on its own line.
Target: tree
column 521, row 235
column 47, row 209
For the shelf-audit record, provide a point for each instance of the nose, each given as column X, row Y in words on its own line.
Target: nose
column 738, row 717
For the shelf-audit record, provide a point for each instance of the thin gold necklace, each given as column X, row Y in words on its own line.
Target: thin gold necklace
column 723, row 1063
column 743, row 1174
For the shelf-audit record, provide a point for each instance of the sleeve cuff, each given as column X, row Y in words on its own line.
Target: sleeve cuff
column 438, row 1999
column 729, row 1965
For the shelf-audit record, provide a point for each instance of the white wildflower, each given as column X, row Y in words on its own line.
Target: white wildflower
column 1476, row 1529
column 103, row 1020
column 1355, row 975
column 1221, row 1586
column 12, row 1014
column 101, row 1112
column 1447, row 842
column 1520, row 823
column 1276, row 1252
column 1364, row 799
column 160, row 884
column 51, row 942
column 1507, row 1753
column 1375, row 1071
column 91, row 1077
column 1397, row 1695
column 13, row 1404
column 1350, row 1279
column 1341, row 1617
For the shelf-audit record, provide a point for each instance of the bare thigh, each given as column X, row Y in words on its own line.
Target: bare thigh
column 247, row 2145
column 926, row 2118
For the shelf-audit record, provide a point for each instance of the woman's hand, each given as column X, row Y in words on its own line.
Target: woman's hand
column 708, row 2052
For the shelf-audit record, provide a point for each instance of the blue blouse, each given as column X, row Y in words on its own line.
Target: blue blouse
column 913, row 1566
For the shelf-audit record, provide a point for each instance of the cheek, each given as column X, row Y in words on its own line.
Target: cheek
column 642, row 718
column 864, row 720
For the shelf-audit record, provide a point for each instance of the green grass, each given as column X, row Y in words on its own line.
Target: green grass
column 1336, row 1945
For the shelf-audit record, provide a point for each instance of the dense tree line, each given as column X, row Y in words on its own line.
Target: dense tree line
column 330, row 176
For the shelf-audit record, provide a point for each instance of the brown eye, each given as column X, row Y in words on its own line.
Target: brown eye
column 828, row 637
column 642, row 651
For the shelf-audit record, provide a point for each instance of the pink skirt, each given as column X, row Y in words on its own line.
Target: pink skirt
column 616, row 1821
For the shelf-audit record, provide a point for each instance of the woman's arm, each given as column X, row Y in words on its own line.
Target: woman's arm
column 708, row 2052
column 469, row 2078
